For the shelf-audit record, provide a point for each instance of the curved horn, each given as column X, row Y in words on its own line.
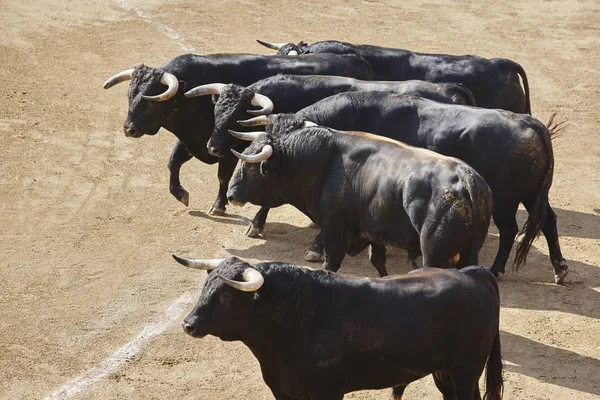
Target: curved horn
column 308, row 124
column 264, row 154
column 207, row 265
column 262, row 101
column 261, row 120
column 203, row 90
column 249, row 136
column 173, row 85
column 253, row 280
column 118, row 78
column 274, row 46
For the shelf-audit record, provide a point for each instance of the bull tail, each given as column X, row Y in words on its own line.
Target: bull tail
column 521, row 72
column 494, row 384
column 479, row 212
column 555, row 128
column 537, row 214
column 467, row 94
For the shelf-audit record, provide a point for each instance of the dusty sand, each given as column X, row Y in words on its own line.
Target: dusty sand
column 88, row 224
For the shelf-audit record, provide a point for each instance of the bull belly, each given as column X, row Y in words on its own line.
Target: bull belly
column 403, row 236
column 382, row 375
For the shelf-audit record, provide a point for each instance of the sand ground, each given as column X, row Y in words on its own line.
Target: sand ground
column 88, row 224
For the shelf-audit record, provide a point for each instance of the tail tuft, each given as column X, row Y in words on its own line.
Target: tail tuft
column 556, row 128
column 494, row 383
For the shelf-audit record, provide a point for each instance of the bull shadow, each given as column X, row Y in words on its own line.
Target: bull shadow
column 232, row 219
column 549, row 364
column 573, row 223
column 533, row 288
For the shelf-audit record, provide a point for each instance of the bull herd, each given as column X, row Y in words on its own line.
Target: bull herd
column 451, row 143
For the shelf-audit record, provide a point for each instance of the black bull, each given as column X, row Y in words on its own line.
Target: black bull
column 319, row 335
column 512, row 152
column 494, row 82
column 191, row 120
column 291, row 93
column 369, row 191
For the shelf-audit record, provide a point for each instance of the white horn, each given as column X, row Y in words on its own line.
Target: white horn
column 262, row 101
column 206, row 265
column 203, row 90
column 308, row 124
column 249, row 136
column 173, row 85
column 264, row 154
column 253, row 280
column 274, row 46
column 118, row 78
column 261, row 120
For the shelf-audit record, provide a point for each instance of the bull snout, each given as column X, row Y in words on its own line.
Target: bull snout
column 215, row 151
column 188, row 328
column 129, row 131
column 231, row 198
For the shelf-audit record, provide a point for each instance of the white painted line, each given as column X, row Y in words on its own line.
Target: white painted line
column 123, row 354
column 163, row 28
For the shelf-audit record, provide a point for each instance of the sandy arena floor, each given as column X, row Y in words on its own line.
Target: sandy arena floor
column 90, row 299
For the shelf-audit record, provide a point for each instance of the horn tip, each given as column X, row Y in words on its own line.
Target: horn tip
column 180, row 260
column 235, row 153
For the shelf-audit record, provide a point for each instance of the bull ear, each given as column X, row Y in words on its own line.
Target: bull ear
column 214, row 98
column 182, row 85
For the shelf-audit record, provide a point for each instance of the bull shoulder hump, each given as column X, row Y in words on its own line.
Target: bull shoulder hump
column 402, row 145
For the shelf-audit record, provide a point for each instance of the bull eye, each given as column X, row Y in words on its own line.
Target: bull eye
column 224, row 297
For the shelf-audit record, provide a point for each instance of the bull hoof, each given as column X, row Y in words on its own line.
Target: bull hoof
column 497, row 274
column 313, row 225
column 313, row 256
column 216, row 211
column 254, row 232
column 185, row 197
column 560, row 277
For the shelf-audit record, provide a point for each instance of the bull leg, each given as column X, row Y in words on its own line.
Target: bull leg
column 412, row 258
column 334, row 244
column 377, row 258
column 397, row 392
column 257, row 227
column 551, row 233
column 504, row 218
column 333, row 262
column 315, row 252
column 466, row 392
column 443, row 381
column 179, row 156
column 226, row 168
